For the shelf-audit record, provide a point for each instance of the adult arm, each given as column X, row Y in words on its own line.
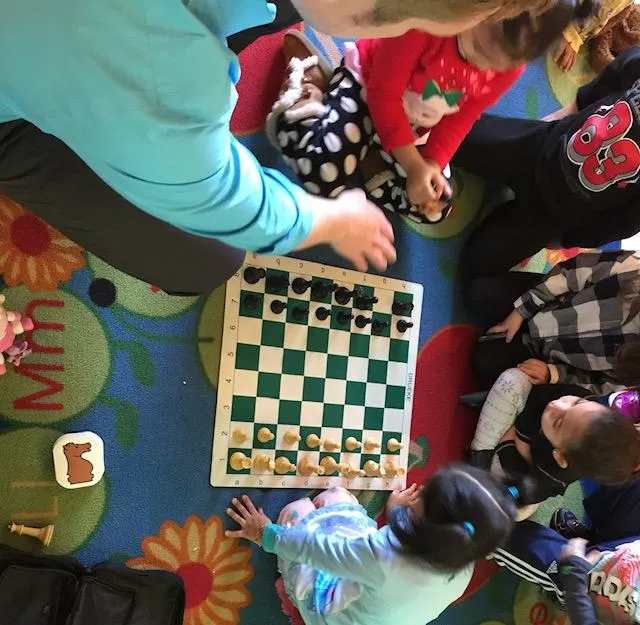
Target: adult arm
column 618, row 76
column 358, row 559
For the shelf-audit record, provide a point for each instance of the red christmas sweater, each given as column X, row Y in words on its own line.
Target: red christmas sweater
column 417, row 84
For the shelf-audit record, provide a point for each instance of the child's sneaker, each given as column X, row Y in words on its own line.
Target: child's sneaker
column 567, row 524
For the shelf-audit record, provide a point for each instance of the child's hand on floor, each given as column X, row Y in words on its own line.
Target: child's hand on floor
column 250, row 520
column 565, row 56
column 536, row 370
column 408, row 498
column 426, row 185
column 576, row 547
column 510, row 325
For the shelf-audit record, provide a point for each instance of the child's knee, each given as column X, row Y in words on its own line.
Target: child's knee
column 334, row 495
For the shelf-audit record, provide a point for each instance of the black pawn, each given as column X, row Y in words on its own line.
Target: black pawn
column 343, row 295
column 379, row 325
column 321, row 289
column 403, row 325
column 251, row 301
column 254, row 274
column 277, row 306
column 277, row 283
column 299, row 313
column 343, row 317
column 363, row 302
column 300, row 285
column 400, row 308
column 322, row 313
column 362, row 321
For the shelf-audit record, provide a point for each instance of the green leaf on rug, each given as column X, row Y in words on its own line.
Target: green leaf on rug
column 531, row 103
column 118, row 556
column 126, row 421
column 140, row 360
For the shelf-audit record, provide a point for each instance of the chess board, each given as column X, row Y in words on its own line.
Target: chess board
column 302, row 371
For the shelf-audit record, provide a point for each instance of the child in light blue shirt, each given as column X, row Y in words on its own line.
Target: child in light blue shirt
column 338, row 568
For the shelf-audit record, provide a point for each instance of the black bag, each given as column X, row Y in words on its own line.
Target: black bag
column 58, row 590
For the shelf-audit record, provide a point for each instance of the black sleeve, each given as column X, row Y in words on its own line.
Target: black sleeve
column 600, row 230
column 618, row 76
column 511, row 461
column 574, row 573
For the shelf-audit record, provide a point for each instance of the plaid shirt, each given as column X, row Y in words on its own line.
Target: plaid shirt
column 577, row 320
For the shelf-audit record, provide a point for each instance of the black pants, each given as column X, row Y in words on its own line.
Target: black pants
column 491, row 299
column 47, row 178
column 506, row 150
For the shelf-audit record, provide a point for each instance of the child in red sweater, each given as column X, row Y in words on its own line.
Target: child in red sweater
column 411, row 98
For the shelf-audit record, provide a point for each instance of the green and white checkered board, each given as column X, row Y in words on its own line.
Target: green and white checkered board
column 313, row 376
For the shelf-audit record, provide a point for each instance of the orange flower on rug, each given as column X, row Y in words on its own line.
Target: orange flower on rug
column 32, row 252
column 215, row 569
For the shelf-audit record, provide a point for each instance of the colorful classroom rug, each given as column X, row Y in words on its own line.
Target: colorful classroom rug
column 117, row 357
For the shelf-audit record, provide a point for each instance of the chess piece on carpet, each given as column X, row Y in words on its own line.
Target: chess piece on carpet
column 265, row 435
column 284, row 465
column 262, row 462
column 291, row 437
column 240, row 436
column 43, row 534
column 306, row 467
column 240, row 462
column 313, row 441
column 393, row 445
column 370, row 444
column 373, row 469
column 352, row 443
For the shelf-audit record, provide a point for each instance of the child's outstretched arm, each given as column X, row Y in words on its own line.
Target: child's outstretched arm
column 358, row 559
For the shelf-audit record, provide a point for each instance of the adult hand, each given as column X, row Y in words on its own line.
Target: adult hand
column 251, row 520
column 408, row 498
column 510, row 325
column 426, row 184
column 576, row 547
column 360, row 232
column 536, row 370
column 565, row 56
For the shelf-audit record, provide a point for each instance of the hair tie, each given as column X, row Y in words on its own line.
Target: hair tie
column 469, row 527
column 514, row 492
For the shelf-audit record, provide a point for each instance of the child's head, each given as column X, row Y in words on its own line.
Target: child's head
column 518, row 40
column 466, row 514
column 593, row 440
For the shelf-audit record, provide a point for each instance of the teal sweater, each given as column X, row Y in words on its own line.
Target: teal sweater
column 390, row 589
column 143, row 91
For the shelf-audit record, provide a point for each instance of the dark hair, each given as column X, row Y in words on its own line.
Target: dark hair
column 608, row 450
column 528, row 36
column 626, row 366
column 467, row 515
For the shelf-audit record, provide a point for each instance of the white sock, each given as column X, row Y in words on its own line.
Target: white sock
column 506, row 400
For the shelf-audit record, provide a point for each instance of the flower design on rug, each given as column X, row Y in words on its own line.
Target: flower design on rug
column 32, row 252
column 215, row 569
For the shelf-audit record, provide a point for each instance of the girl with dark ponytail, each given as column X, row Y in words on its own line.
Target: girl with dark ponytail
column 338, row 568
